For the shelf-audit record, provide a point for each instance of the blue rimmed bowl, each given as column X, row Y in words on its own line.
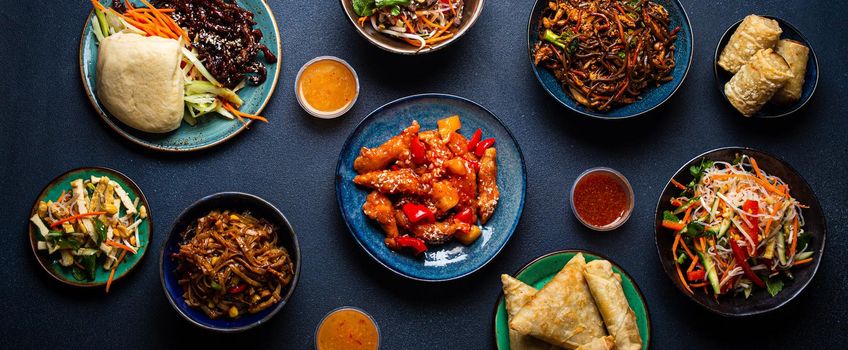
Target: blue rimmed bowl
column 452, row 260
column 210, row 130
column 237, row 201
column 811, row 77
column 650, row 99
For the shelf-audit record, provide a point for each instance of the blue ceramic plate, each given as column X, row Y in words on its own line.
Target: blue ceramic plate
column 452, row 260
column 209, row 131
column 811, row 79
column 220, row 201
column 651, row 98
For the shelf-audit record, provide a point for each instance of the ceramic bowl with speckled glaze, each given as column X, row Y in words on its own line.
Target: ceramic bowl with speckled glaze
column 651, row 98
column 211, row 129
column 451, row 260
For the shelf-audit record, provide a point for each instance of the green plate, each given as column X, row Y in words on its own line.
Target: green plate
column 53, row 190
column 541, row 270
column 210, row 130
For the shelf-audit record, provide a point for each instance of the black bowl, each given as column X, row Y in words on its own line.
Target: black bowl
column 759, row 301
column 811, row 78
column 233, row 201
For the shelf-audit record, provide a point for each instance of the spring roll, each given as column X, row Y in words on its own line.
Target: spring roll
column 562, row 312
column 517, row 294
column 755, row 33
column 609, row 296
column 796, row 55
column 757, row 82
column 602, row 343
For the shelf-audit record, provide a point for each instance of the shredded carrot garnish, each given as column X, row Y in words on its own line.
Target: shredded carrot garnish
column 112, row 274
column 236, row 112
column 121, row 246
column 768, row 222
column 801, row 262
column 693, row 264
column 686, row 248
column 677, row 184
column 75, row 217
column 683, row 280
column 362, row 20
column 699, row 285
column 794, row 236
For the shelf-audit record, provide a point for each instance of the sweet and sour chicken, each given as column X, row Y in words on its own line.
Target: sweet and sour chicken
column 429, row 187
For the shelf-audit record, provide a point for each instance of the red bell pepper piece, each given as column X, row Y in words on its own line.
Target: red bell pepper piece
column 417, row 212
column 418, row 153
column 466, row 216
column 696, row 275
column 742, row 259
column 753, row 208
column 416, row 244
column 483, row 145
column 237, row 289
column 395, row 167
column 475, row 139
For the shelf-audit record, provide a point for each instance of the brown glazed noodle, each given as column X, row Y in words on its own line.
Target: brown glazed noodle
column 230, row 264
column 224, row 37
column 606, row 52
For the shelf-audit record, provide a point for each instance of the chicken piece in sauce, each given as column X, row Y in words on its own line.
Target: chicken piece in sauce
column 488, row 193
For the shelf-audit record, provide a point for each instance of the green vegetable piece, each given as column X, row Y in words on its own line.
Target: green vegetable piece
column 622, row 55
column 64, row 243
column 560, row 40
column 774, row 285
column 100, row 229
column 395, row 10
column 712, row 274
column 101, row 18
column 363, row 7
column 89, row 265
column 681, row 258
column 78, row 273
column 215, row 285
column 694, row 229
column 668, row 215
column 388, row 3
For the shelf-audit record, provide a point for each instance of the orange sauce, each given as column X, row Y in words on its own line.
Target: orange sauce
column 347, row 329
column 327, row 85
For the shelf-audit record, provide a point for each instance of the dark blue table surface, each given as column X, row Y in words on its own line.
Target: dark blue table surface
column 49, row 127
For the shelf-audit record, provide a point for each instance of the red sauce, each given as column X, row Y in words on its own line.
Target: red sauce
column 600, row 198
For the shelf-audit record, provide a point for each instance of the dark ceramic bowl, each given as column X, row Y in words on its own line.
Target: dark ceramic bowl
column 811, row 79
column 234, row 201
column 451, row 260
column 651, row 98
column 101, row 276
column 470, row 14
column 759, row 301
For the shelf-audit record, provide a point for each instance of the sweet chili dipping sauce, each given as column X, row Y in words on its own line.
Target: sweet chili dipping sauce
column 347, row 329
column 602, row 199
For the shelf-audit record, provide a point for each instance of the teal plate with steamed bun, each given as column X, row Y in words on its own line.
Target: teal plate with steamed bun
column 210, row 130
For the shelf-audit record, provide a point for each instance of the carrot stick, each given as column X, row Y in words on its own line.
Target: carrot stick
column 765, row 184
column 121, row 246
column 112, row 274
column 794, row 236
column 692, row 265
column 802, row 262
column 698, row 285
column 768, row 223
column 682, row 280
column 677, row 184
column 75, row 217
column 242, row 114
column 686, row 248
column 98, row 5
column 441, row 38
column 757, row 169
column 409, row 26
column 362, row 20
column 676, row 226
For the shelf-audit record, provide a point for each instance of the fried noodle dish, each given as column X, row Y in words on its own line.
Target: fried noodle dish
column 232, row 264
column 741, row 229
column 606, row 52
column 429, row 187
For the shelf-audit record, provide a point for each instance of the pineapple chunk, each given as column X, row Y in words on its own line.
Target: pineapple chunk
column 470, row 237
column 445, row 195
column 456, row 166
column 448, row 126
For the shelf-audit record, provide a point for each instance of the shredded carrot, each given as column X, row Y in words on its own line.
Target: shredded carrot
column 677, row 184
column 408, row 26
column 768, row 222
column 439, row 39
column 431, row 23
column 438, row 34
column 676, row 226
column 98, row 5
column 693, row 264
column 698, row 285
column 121, row 246
column 362, row 20
column 112, row 274
column 61, row 196
column 801, row 262
column 765, row 184
column 757, row 169
column 683, row 280
column 686, row 248
column 794, row 236
column 686, row 217
column 75, row 217
column 236, row 112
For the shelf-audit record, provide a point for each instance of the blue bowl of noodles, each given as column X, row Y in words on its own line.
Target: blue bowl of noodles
column 649, row 99
column 236, row 202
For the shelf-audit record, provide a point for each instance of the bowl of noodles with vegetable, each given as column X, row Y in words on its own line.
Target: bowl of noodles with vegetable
column 610, row 59
column 231, row 262
column 411, row 27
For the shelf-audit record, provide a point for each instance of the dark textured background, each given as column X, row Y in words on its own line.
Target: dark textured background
column 50, row 128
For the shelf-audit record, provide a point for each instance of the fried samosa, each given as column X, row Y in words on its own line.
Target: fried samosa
column 562, row 312
column 602, row 343
column 516, row 295
column 609, row 296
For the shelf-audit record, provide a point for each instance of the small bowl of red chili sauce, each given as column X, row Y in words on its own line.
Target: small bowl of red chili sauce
column 602, row 199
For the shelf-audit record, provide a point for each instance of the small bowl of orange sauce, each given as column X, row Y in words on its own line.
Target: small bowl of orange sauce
column 347, row 328
column 602, row 199
column 326, row 87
